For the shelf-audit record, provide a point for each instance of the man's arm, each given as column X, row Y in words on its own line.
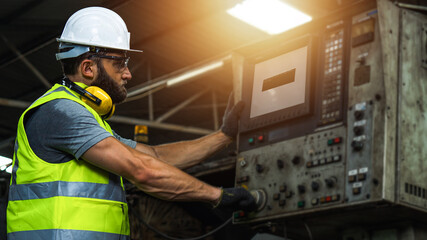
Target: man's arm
column 150, row 174
column 185, row 154
column 189, row 153
column 161, row 179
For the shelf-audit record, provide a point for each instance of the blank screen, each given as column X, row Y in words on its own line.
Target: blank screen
column 279, row 82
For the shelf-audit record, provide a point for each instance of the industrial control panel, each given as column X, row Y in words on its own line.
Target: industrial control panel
column 334, row 116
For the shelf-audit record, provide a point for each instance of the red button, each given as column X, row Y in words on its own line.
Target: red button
column 328, row 198
column 337, row 140
column 241, row 214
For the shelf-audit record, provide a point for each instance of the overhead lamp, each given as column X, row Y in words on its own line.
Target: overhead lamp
column 271, row 16
column 193, row 73
column 5, row 164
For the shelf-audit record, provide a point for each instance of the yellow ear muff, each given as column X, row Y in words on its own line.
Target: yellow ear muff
column 110, row 114
column 106, row 108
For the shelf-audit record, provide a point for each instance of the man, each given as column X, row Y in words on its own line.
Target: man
column 68, row 163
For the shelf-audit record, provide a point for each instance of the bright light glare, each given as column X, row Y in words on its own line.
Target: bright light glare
column 4, row 162
column 194, row 73
column 271, row 16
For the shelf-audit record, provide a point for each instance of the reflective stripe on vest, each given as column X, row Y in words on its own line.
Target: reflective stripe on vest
column 65, row 234
column 71, row 200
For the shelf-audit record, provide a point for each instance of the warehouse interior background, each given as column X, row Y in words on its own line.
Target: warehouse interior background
column 174, row 35
column 177, row 37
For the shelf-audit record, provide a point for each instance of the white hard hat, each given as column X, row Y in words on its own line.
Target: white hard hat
column 93, row 27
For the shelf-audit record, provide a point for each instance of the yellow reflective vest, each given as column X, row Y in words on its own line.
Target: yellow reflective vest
column 71, row 200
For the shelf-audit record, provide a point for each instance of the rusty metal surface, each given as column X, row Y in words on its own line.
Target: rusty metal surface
column 412, row 142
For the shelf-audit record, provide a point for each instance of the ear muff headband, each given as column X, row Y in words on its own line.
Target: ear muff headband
column 93, row 96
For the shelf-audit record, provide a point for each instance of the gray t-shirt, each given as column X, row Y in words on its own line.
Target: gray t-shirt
column 61, row 130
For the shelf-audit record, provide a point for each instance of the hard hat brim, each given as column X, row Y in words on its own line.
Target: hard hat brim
column 95, row 45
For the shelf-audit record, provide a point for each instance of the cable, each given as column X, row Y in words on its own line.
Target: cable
column 285, row 233
column 172, row 238
column 308, row 231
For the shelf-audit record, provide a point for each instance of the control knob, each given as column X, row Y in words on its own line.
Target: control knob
column 330, row 182
column 260, row 198
column 359, row 114
column 358, row 130
column 259, row 168
column 301, row 189
column 357, row 145
column 296, row 160
column 315, row 185
column 280, row 163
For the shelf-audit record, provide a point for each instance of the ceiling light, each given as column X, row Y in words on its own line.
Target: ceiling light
column 194, row 73
column 4, row 164
column 271, row 16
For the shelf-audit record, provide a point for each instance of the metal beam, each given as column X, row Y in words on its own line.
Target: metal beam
column 130, row 99
column 179, row 76
column 29, row 52
column 412, row 6
column 122, row 119
column 22, row 11
column 215, row 110
column 27, row 63
column 7, row 142
column 166, row 126
column 180, row 106
column 150, row 96
column 14, row 103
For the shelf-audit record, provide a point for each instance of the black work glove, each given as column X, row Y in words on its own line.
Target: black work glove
column 237, row 199
column 231, row 117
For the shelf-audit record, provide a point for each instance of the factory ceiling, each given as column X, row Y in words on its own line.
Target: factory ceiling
column 176, row 37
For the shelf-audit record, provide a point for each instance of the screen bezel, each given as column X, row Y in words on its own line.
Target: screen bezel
column 303, row 109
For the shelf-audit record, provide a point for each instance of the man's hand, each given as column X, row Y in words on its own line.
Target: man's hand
column 231, row 117
column 237, row 199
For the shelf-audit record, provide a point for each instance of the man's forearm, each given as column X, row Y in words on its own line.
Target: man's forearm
column 189, row 153
column 167, row 182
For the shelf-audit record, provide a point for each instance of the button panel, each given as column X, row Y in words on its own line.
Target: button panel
column 296, row 174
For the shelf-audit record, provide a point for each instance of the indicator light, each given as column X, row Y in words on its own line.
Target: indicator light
column 328, row 198
column 361, row 176
column 260, row 138
column 251, row 140
column 239, row 214
column 335, row 197
column 314, row 201
column 356, row 191
column 334, row 141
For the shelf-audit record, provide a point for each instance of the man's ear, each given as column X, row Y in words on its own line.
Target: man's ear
column 88, row 69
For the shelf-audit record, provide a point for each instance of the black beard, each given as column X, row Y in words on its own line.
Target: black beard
column 117, row 93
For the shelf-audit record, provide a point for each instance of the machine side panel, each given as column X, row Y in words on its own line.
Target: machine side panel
column 412, row 145
column 388, row 13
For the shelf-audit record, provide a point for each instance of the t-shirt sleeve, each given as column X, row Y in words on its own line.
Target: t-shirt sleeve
column 62, row 129
column 131, row 143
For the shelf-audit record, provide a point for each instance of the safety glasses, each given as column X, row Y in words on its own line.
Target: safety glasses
column 120, row 63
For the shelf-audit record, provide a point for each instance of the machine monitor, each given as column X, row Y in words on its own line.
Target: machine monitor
column 277, row 85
